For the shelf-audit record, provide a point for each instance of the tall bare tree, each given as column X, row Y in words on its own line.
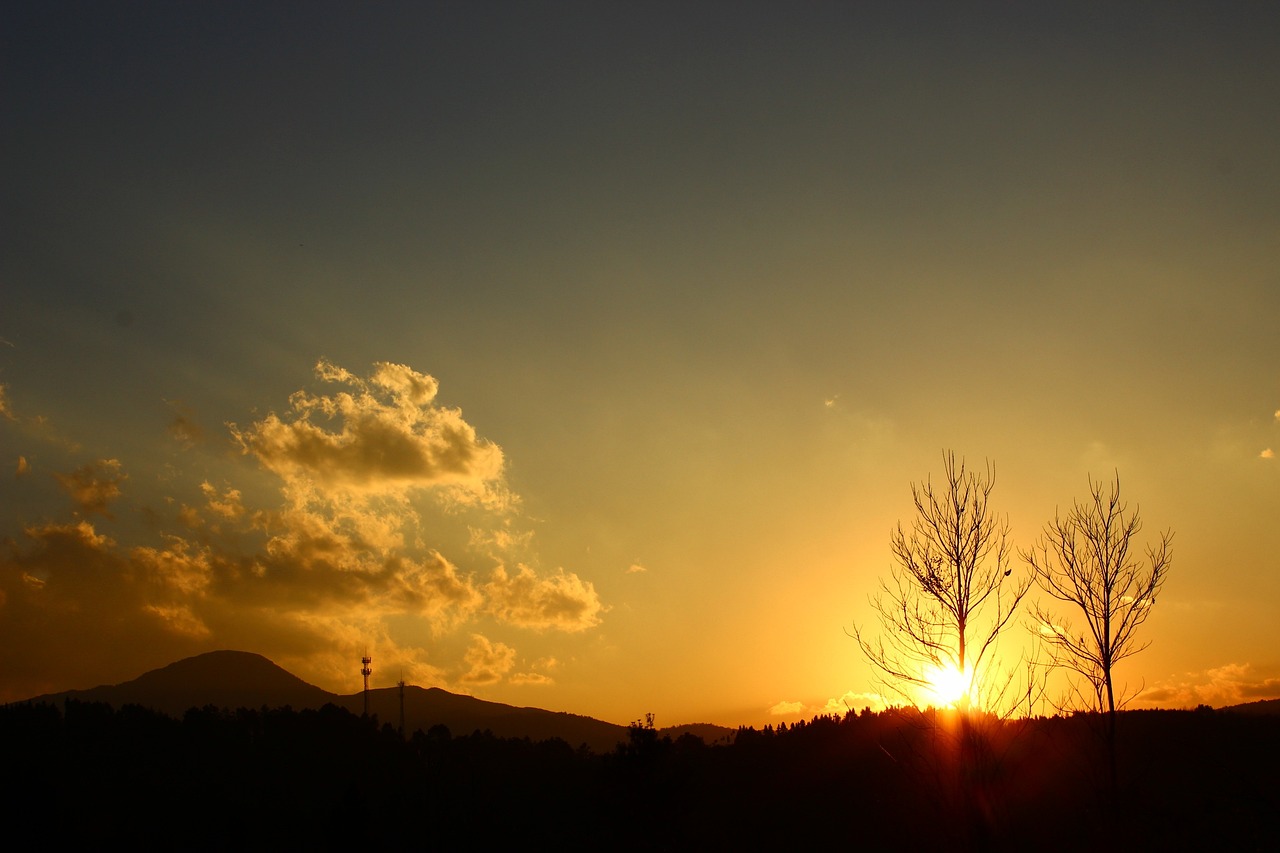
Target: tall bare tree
column 1085, row 560
column 949, row 595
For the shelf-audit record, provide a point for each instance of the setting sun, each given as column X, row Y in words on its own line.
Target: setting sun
column 946, row 685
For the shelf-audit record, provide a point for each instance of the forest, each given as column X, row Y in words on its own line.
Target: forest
column 88, row 774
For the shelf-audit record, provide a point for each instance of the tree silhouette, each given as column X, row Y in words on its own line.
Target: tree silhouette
column 1084, row 560
column 950, row 592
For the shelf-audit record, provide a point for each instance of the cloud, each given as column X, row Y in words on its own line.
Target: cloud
column 488, row 662
column 94, row 486
column 534, row 678
column 74, row 613
column 636, row 569
column 22, row 468
column 344, row 555
column 499, row 542
column 5, row 411
column 787, row 709
column 1229, row 684
column 1277, row 416
column 226, row 505
column 562, row 601
column 383, row 435
column 853, row 701
column 1267, row 454
column 183, row 428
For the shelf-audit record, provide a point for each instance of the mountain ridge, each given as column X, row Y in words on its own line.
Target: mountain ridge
column 233, row 679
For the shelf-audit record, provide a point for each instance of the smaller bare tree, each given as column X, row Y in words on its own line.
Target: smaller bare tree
column 1085, row 560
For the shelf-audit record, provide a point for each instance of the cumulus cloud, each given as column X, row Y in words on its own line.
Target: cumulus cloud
column 562, row 600
column 344, row 556
column 854, row 701
column 380, row 435
column 787, row 709
column 92, row 487
column 1267, row 454
column 487, row 661
column 1229, row 684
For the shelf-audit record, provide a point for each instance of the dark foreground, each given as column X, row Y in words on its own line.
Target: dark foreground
column 253, row 779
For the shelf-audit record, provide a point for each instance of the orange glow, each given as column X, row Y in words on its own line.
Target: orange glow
column 946, row 685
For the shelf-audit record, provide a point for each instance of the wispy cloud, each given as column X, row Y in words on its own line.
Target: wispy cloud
column 183, row 427
column 92, row 487
column 636, row 569
column 488, row 662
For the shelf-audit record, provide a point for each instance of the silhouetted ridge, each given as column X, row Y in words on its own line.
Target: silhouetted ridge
column 234, row 679
column 1262, row 706
column 225, row 679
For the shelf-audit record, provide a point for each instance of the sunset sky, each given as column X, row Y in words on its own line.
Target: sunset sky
column 582, row 355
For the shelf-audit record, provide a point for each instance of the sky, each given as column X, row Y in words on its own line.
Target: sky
column 582, row 356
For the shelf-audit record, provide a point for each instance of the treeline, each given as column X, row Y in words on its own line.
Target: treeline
column 91, row 775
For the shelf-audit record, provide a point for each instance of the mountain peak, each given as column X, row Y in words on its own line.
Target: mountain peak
column 225, row 678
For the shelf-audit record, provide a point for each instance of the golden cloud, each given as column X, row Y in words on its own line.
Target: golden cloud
column 381, row 436
column 331, row 564
column 488, row 662
column 1229, row 684
column 562, row 601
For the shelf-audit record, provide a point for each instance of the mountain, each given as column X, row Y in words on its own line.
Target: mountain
column 232, row 679
column 462, row 715
column 226, row 679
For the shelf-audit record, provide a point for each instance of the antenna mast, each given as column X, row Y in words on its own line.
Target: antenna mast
column 366, row 671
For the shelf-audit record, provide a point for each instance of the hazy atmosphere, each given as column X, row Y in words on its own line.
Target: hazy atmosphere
column 582, row 355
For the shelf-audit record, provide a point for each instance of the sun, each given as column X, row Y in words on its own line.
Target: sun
column 946, row 685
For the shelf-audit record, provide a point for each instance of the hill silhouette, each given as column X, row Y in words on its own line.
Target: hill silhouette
column 226, row 679
column 236, row 679
column 1262, row 706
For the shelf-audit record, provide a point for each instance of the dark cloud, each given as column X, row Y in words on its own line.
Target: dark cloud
column 92, row 487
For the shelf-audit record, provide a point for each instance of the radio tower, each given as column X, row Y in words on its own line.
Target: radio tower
column 366, row 671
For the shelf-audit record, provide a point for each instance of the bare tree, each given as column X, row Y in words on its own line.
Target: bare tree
column 1085, row 560
column 949, row 595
